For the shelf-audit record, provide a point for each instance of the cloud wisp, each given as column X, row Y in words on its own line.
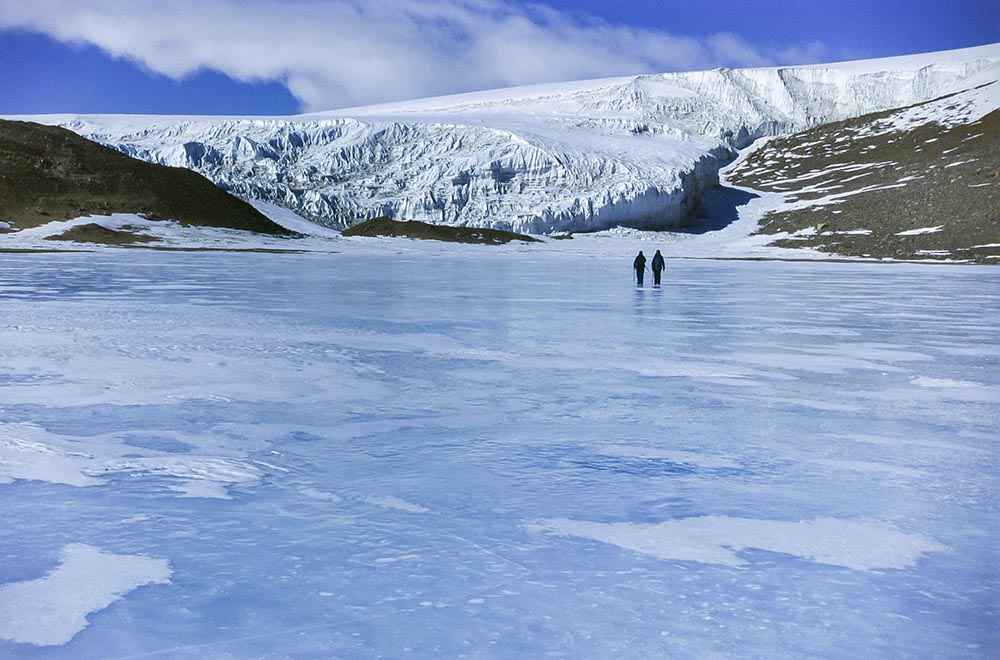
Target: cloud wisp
column 338, row 53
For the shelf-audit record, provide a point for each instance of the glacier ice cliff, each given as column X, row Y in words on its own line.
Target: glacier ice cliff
column 585, row 156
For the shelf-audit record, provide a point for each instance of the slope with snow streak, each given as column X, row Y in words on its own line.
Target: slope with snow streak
column 583, row 156
column 917, row 183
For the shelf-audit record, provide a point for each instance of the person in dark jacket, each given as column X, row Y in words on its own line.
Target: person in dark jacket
column 657, row 265
column 640, row 267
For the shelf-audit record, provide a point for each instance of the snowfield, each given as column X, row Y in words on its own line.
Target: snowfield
column 584, row 156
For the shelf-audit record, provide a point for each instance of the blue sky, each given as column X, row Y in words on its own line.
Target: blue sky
column 287, row 56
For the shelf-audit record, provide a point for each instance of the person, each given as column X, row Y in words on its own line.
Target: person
column 640, row 267
column 657, row 265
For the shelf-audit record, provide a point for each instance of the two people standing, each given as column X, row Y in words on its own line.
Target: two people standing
column 640, row 267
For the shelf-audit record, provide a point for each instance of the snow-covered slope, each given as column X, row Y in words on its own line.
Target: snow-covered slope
column 583, row 156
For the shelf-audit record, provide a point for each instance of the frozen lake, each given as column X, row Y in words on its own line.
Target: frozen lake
column 496, row 455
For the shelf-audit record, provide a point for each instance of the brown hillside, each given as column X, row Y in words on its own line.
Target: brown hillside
column 49, row 173
column 891, row 184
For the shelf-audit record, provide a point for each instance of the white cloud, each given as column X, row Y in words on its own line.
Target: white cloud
column 337, row 53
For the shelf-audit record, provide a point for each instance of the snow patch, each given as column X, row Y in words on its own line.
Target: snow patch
column 922, row 230
column 927, row 381
column 719, row 539
column 25, row 454
column 30, row 453
column 170, row 234
column 196, row 476
column 51, row 610
column 293, row 221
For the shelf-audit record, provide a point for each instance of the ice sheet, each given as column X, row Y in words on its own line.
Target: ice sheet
column 434, row 451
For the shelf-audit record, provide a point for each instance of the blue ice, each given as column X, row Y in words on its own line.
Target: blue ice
column 496, row 455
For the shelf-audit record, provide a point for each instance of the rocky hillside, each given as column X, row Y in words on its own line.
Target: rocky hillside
column 918, row 183
column 49, row 173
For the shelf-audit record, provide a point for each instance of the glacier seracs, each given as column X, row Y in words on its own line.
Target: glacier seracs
column 584, row 156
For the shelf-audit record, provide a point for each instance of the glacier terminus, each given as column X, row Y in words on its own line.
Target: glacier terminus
column 574, row 157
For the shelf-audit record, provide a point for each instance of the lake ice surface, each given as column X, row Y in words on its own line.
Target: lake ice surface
column 496, row 455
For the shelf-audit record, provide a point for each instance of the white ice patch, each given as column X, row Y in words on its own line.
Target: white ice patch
column 49, row 611
column 696, row 370
column 198, row 476
column 719, row 539
column 926, row 381
column 30, row 453
column 391, row 502
column 24, row 454
column 962, row 390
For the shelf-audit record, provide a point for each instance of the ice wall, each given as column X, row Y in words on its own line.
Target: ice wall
column 575, row 157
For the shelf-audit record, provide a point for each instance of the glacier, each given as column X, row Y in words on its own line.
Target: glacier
column 586, row 156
